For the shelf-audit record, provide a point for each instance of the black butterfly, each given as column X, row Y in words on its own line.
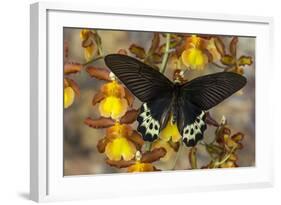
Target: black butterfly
column 161, row 98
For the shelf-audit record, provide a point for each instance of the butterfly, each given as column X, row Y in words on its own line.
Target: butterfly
column 186, row 104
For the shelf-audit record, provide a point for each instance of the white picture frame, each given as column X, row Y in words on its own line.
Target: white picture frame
column 47, row 182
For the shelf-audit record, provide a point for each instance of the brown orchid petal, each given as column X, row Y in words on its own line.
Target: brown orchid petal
column 120, row 164
column 129, row 96
column 129, row 117
column 74, row 86
column 161, row 48
column 219, row 45
column 156, row 58
column 208, row 54
column 99, row 123
column 65, row 83
column 99, row 96
column 122, row 51
column 154, row 155
column 154, row 43
column 205, row 36
column 99, row 73
column 221, row 132
column 138, row 51
column 214, row 149
column 173, row 44
column 87, row 43
column 94, row 34
column 211, row 121
column 237, row 137
column 180, row 48
column 72, row 68
column 233, row 46
column 192, row 157
column 102, row 144
column 136, row 138
column 240, row 145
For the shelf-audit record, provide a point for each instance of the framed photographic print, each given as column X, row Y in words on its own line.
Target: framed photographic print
column 129, row 102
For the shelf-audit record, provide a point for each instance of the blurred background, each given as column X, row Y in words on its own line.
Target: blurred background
column 80, row 153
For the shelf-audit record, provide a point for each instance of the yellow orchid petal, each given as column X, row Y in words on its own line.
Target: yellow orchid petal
column 84, row 34
column 113, row 107
column 141, row 167
column 120, row 148
column 170, row 132
column 194, row 58
column 69, row 96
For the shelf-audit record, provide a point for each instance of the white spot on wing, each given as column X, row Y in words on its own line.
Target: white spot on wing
column 151, row 125
column 198, row 127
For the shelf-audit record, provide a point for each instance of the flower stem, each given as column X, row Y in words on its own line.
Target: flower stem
column 226, row 157
column 93, row 60
column 166, row 54
column 147, row 146
column 193, row 158
column 177, row 157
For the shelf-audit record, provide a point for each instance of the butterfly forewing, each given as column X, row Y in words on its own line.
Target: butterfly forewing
column 207, row 91
column 142, row 80
column 191, row 122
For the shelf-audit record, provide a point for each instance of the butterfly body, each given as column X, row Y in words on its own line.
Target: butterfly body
column 167, row 102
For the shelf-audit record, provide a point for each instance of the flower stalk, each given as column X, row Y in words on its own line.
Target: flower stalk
column 166, row 54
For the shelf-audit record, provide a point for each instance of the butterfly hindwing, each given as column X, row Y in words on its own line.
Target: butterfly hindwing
column 152, row 117
column 194, row 132
column 142, row 80
column 191, row 122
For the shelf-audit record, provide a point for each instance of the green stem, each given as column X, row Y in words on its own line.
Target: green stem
column 100, row 50
column 99, row 42
column 193, row 158
column 166, row 54
column 93, row 60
